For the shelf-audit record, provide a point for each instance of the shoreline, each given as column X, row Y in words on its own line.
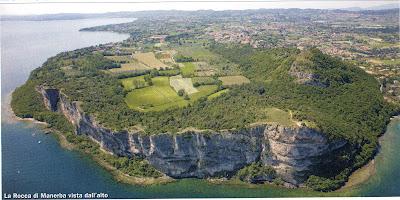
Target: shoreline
column 355, row 179
column 63, row 142
column 363, row 174
column 360, row 176
column 10, row 117
column 117, row 174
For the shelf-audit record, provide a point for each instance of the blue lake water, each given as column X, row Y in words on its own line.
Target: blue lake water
column 29, row 166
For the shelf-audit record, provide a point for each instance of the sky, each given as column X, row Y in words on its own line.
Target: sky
column 34, row 7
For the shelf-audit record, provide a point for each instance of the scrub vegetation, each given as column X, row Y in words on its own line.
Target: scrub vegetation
column 255, row 172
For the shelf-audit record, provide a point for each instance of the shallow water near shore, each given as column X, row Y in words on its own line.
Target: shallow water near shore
column 386, row 180
column 34, row 162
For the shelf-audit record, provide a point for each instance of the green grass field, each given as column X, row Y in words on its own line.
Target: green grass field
column 128, row 67
column 188, row 69
column 279, row 116
column 134, row 83
column 217, row 94
column 196, row 52
column 207, row 62
column 179, row 83
column 204, row 80
column 157, row 97
column 149, row 60
column 203, row 91
column 160, row 95
column 233, row 80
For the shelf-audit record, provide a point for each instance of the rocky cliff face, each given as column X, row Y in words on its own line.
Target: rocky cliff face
column 302, row 71
column 292, row 152
column 50, row 97
column 197, row 154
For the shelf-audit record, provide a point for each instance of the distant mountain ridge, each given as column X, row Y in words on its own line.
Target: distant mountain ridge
column 135, row 14
column 381, row 7
column 64, row 16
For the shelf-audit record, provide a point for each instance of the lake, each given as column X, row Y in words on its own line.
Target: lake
column 29, row 166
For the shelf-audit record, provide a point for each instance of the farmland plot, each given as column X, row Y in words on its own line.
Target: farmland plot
column 233, row 80
column 188, row 69
column 149, row 60
column 197, row 52
column 129, row 67
column 204, row 69
column 179, row 83
column 128, row 64
column 204, row 80
column 134, row 83
column 159, row 96
column 165, row 57
column 120, row 59
column 204, row 91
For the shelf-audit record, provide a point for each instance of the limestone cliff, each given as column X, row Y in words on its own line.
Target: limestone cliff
column 291, row 151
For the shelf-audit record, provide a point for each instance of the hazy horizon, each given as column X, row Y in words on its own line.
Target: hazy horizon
column 28, row 7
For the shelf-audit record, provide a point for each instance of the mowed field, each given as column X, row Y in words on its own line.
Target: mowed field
column 204, row 80
column 188, row 69
column 203, row 91
column 179, row 83
column 150, row 60
column 160, row 96
column 203, row 69
column 196, row 52
column 157, row 97
column 130, row 65
column 166, row 56
column 134, row 82
column 279, row 116
column 233, row 80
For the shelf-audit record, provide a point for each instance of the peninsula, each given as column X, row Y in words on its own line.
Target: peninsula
column 209, row 94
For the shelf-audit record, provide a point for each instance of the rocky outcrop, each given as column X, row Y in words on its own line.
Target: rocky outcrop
column 304, row 75
column 292, row 151
column 303, row 72
column 50, row 97
column 197, row 154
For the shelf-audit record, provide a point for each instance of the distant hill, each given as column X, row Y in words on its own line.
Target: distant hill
column 381, row 7
column 158, row 13
column 64, row 16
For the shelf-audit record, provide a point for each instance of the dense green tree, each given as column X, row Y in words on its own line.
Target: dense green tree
column 181, row 92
